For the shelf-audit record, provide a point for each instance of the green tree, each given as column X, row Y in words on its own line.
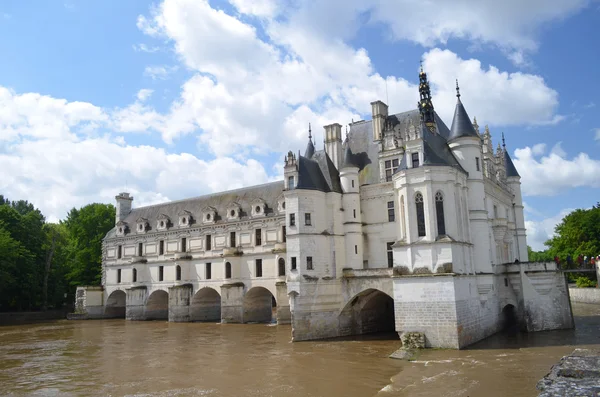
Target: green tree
column 13, row 259
column 86, row 228
column 55, row 248
column 577, row 234
column 538, row 256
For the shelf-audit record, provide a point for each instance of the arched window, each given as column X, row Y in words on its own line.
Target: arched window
column 227, row 270
column 439, row 212
column 134, row 277
column 178, row 273
column 281, row 267
column 420, row 214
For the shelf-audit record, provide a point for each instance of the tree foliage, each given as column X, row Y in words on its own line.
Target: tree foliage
column 577, row 234
column 40, row 262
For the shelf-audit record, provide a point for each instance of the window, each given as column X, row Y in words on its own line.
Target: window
column 293, row 263
column 134, row 277
column 283, row 234
column 354, row 212
column 208, row 217
column 258, row 268
column 227, row 270
column 161, row 247
column 208, row 269
column 391, row 212
column 257, row 209
column 178, row 273
column 309, row 264
column 390, row 167
column 258, row 237
column 232, row 239
column 352, row 182
column 439, row 212
column 184, row 220
column 477, row 163
column 415, row 160
column 292, row 219
column 281, row 270
column 183, row 244
column 356, row 249
column 390, row 254
column 307, row 219
column 208, row 242
column 291, row 182
column 119, row 251
column 118, row 275
column 140, row 249
column 495, row 212
column 420, row 214
column 161, row 273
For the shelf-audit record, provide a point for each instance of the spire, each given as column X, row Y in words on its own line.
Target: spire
column 310, row 148
column 461, row 123
column 425, row 105
column 511, row 170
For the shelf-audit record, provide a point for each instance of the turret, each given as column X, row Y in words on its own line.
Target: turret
column 290, row 171
column 333, row 143
column 513, row 179
column 123, row 206
column 352, row 210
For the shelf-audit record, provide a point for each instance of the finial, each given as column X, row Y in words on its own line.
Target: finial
column 422, row 72
column 503, row 142
column 457, row 89
column 346, row 131
column 309, row 132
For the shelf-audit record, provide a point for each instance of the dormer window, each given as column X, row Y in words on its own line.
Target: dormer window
column 233, row 211
column 281, row 204
column 258, row 207
column 142, row 225
column 185, row 218
column 121, row 228
column 163, row 222
column 415, row 160
column 209, row 214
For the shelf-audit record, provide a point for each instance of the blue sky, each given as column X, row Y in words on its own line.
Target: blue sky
column 184, row 97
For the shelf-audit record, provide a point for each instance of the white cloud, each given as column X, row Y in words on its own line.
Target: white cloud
column 144, row 94
column 596, row 134
column 259, row 8
column 145, row 48
column 538, row 232
column 554, row 173
column 159, row 72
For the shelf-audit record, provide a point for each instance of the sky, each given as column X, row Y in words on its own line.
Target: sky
column 179, row 98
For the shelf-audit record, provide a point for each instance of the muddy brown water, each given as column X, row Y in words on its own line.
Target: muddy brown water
column 125, row 358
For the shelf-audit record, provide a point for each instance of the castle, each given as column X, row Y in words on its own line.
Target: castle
column 404, row 224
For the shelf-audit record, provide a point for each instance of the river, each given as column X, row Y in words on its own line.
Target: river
column 127, row 358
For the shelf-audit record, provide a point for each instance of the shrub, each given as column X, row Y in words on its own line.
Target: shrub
column 585, row 282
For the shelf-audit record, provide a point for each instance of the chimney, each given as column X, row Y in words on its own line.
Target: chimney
column 333, row 143
column 379, row 112
column 123, row 206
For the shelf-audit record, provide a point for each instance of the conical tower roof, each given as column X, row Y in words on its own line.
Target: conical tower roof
column 511, row 170
column 461, row 123
column 310, row 148
column 349, row 159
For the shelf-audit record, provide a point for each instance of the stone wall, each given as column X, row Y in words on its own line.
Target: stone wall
column 585, row 295
column 577, row 374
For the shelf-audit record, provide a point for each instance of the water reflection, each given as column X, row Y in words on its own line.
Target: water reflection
column 117, row 357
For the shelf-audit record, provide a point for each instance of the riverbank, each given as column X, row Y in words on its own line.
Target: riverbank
column 21, row 318
column 585, row 295
column 575, row 375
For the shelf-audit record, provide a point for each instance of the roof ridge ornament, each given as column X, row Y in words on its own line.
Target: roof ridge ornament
column 457, row 89
column 503, row 142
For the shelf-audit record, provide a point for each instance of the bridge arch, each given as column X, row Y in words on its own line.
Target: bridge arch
column 369, row 311
column 157, row 306
column 259, row 305
column 205, row 305
column 115, row 304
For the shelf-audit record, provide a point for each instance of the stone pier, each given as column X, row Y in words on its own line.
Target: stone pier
column 232, row 303
column 284, row 315
column 179, row 303
column 136, row 299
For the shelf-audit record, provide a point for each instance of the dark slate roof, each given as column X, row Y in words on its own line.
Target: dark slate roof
column 268, row 192
column 461, row 124
column 511, row 170
column 366, row 152
column 349, row 159
column 436, row 151
column 318, row 173
column 310, row 149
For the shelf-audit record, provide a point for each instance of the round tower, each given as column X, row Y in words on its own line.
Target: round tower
column 352, row 215
column 465, row 144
